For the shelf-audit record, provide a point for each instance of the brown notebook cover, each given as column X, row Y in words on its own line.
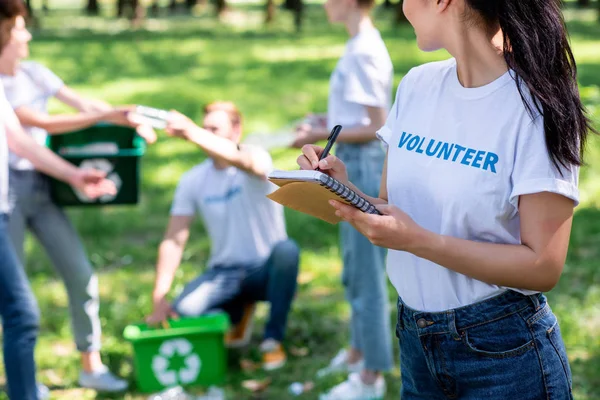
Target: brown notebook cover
column 304, row 191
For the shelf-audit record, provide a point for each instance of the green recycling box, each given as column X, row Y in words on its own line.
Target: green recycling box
column 116, row 150
column 190, row 352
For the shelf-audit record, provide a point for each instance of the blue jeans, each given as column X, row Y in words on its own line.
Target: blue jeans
column 228, row 288
column 363, row 275
column 20, row 321
column 506, row 347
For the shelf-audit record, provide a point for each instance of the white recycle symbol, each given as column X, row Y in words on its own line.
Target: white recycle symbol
column 103, row 165
column 185, row 375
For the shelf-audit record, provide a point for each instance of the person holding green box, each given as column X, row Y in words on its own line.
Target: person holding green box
column 28, row 87
column 18, row 308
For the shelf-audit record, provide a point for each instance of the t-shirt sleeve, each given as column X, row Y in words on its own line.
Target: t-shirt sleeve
column 260, row 156
column 49, row 82
column 365, row 82
column 183, row 203
column 534, row 171
column 43, row 83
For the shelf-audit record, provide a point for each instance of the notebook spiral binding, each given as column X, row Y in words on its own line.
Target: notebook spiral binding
column 348, row 194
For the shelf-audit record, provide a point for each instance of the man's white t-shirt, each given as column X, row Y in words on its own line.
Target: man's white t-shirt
column 242, row 223
column 32, row 86
column 4, row 109
column 364, row 76
column 459, row 158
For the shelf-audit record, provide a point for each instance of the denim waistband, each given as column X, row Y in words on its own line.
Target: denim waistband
column 451, row 321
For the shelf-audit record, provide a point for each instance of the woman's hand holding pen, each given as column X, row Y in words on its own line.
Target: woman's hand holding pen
column 393, row 230
column 330, row 165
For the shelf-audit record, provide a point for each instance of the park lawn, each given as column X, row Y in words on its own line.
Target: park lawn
column 276, row 76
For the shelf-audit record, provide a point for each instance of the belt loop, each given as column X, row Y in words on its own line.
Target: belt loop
column 452, row 325
column 400, row 308
column 535, row 300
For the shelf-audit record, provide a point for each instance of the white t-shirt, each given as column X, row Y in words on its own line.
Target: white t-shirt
column 242, row 223
column 364, row 76
column 32, row 86
column 4, row 107
column 459, row 158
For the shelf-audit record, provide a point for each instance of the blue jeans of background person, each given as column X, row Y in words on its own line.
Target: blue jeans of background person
column 20, row 321
column 229, row 287
column 506, row 347
column 363, row 275
column 33, row 209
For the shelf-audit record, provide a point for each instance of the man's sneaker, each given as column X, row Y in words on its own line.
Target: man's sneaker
column 355, row 389
column 340, row 363
column 274, row 356
column 102, row 380
column 240, row 334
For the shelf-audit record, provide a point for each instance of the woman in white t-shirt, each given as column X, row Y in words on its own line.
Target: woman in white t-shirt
column 360, row 96
column 477, row 199
column 28, row 87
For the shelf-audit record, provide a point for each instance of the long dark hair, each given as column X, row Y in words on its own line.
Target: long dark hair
column 537, row 48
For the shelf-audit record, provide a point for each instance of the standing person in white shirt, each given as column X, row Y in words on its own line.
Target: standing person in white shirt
column 360, row 96
column 251, row 257
column 18, row 307
column 29, row 86
column 478, row 195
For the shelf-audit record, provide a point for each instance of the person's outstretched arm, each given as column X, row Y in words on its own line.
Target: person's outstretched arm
column 75, row 100
column 64, row 123
column 91, row 182
column 170, row 252
column 216, row 147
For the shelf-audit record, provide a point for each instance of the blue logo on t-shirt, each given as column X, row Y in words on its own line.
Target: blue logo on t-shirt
column 223, row 197
column 453, row 152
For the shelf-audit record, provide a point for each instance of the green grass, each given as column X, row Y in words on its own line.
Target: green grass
column 275, row 76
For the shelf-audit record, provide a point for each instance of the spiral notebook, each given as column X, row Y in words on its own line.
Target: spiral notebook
column 309, row 192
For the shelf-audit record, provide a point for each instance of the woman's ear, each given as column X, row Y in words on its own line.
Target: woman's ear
column 442, row 5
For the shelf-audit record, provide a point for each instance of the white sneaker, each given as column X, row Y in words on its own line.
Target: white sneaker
column 355, row 389
column 340, row 363
column 102, row 380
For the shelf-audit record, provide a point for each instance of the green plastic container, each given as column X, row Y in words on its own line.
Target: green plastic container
column 116, row 150
column 191, row 352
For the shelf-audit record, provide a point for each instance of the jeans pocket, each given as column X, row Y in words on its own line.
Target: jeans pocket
column 503, row 338
column 559, row 347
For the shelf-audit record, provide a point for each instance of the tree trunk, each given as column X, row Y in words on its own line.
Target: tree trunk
column 221, row 7
column 299, row 13
column 154, row 11
column 92, row 7
column 132, row 9
column 270, row 11
column 189, row 4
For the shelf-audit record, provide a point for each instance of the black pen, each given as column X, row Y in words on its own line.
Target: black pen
column 330, row 141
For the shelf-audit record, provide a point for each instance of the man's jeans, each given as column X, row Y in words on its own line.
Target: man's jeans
column 228, row 288
column 20, row 321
